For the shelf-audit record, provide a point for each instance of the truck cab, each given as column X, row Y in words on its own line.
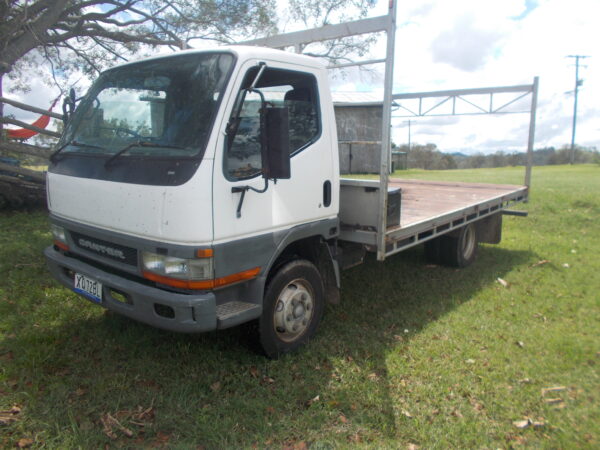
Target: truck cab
column 198, row 190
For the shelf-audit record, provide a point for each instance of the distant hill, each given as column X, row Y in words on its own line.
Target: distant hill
column 429, row 157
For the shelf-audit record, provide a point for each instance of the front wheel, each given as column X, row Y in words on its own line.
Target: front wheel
column 292, row 309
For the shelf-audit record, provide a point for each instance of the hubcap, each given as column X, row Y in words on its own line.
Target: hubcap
column 293, row 311
column 468, row 244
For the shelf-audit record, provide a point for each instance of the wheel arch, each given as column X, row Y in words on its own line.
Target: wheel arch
column 316, row 243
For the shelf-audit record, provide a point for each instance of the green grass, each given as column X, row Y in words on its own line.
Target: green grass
column 414, row 354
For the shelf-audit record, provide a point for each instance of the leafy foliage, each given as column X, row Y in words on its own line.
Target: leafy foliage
column 317, row 13
column 429, row 157
column 76, row 35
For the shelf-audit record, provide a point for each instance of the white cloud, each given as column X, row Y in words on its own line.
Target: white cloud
column 456, row 44
column 463, row 44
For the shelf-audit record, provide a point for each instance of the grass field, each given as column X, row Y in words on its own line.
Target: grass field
column 414, row 356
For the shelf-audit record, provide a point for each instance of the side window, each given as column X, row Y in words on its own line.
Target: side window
column 282, row 88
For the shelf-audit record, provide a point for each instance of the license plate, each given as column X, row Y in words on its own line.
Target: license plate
column 89, row 287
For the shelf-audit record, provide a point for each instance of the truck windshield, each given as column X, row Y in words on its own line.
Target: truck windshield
column 168, row 102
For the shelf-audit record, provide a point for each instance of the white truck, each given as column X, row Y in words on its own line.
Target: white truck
column 201, row 190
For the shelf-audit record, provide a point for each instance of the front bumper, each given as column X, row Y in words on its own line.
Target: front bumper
column 190, row 313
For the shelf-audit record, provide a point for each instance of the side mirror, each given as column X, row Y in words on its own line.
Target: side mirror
column 275, row 143
column 69, row 105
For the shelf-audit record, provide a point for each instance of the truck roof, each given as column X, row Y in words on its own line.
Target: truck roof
column 243, row 52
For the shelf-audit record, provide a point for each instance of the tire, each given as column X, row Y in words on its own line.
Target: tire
column 432, row 251
column 292, row 309
column 460, row 250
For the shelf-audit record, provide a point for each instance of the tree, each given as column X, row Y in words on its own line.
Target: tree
column 97, row 32
column 89, row 35
column 317, row 13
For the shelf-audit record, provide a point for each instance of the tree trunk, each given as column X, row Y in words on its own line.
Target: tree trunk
column 18, row 192
column 1, row 107
column 19, row 187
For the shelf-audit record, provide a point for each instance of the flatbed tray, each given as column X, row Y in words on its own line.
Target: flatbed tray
column 432, row 208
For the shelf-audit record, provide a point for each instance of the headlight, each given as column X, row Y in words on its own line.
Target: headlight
column 179, row 268
column 60, row 237
column 58, row 233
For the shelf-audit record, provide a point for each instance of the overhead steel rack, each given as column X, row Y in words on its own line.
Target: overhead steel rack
column 387, row 24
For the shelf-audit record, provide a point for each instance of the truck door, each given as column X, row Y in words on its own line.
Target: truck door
column 302, row 199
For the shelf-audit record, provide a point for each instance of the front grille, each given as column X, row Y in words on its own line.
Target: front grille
column 110, row 250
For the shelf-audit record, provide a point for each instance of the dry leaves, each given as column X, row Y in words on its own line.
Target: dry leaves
column 161, row 439
column 553, row 389
column 110, row 425
column 456, row 413
column 113, row 425
column 312, row 400
column 521, row 423
column 556, row 402
column 10, row 415
column 504, row 283
column 216, row 386
column 527, row 422
column 295, row 445
column 25, row 443
column 267, row 380
column 8, row 356
column 373, row 377
column 540, row 263
column 477, row 406
column 355, row 438
column 79, row 392
column 253, row 371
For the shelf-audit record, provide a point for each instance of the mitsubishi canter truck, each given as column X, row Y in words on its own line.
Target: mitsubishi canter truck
column 201, row 190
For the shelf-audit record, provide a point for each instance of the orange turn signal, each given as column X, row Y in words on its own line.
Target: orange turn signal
column 61, row 245
column 204, row 253
column 203, row 284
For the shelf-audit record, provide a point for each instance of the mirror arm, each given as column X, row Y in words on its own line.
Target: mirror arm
column 261, row 68
column 243, row 190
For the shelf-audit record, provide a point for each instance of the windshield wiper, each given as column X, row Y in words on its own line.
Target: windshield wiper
column 125, row 149
column 75, row 144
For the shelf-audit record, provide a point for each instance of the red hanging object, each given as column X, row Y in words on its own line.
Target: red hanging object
column 24, row 133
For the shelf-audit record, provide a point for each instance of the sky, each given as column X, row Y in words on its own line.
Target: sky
column 458, row 44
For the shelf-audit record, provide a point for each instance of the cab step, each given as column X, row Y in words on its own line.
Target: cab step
column 236, row 312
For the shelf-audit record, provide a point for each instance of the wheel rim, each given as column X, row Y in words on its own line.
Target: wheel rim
column 468, row 244
column 293, row 310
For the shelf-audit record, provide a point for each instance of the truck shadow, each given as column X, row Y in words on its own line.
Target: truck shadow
column 212, row 389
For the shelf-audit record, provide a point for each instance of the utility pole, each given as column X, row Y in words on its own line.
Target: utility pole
column 578, row 83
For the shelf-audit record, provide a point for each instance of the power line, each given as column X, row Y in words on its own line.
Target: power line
column 578, row 83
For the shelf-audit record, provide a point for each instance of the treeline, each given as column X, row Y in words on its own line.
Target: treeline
column 429, row 157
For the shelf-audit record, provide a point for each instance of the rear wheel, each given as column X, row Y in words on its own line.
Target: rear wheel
column 292, row 309
column 432, row 251
column 460, row 250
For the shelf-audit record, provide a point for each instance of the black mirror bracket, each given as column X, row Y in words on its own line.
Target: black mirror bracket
column 243, row 189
